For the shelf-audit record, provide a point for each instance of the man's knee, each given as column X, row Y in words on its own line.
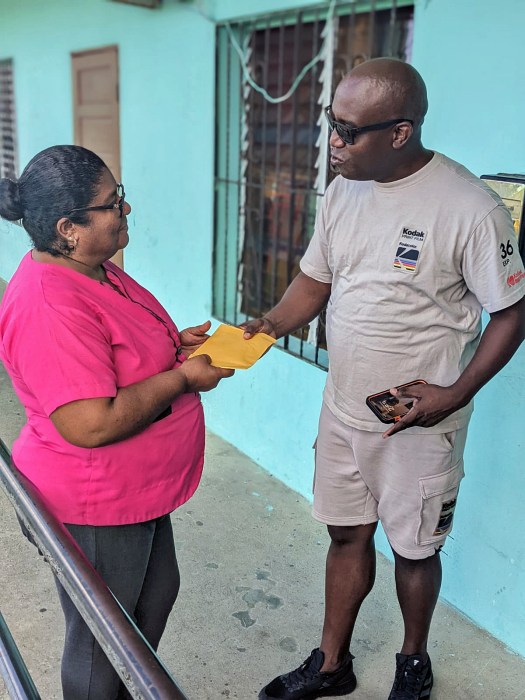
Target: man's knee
column 403, row 564
column 361, row 535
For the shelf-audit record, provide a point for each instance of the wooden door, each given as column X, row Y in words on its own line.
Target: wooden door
column 96, row 107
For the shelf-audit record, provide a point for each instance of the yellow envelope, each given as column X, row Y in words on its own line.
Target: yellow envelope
column 229, row 350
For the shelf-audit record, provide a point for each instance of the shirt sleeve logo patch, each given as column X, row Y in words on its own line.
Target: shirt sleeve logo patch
column 515, row 278
column 409, row 249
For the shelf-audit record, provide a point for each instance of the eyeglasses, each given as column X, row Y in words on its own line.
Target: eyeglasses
column 348, row 133
column 119, row 204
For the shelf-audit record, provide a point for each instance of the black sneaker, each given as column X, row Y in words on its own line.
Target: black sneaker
column 413, row 678
column 308, row 682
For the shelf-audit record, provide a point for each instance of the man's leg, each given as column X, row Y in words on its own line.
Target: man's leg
column 417, row 582
column 344, row 503
column 350, row 576
column 414, row 478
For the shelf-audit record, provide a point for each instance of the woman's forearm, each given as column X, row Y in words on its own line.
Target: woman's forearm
column 102, row 421
column 97, row 422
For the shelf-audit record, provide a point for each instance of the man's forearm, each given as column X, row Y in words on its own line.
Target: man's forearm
column 501, row 338
column 302, row 302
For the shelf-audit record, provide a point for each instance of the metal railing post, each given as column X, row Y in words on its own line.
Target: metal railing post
column 144, row 675
column 13, row 670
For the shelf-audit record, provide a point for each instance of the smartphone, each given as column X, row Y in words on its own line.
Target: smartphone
column 387, row 407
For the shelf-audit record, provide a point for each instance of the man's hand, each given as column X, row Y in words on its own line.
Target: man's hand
column 431, row 405
column 258, row 325
column 501, row 338
column 193, row 337
column 301, row 303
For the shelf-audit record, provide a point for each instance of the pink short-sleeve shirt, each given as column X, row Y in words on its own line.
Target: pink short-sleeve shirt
column 65, row 337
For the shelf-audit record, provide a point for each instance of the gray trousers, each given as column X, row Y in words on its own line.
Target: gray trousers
column 139, row 565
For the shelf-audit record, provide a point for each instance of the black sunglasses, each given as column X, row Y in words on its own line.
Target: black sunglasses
column 119, row 204
column 348, row 133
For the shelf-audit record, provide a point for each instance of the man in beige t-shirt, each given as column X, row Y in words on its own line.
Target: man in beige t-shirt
column 408, row 248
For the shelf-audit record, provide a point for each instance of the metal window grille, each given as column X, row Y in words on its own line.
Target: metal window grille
column 271, row 158
column 8, row 160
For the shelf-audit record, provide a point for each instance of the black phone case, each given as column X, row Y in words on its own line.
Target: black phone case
column 387, row 407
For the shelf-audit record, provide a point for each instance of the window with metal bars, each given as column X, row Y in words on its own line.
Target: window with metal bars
column 8, row 158
column 271, row 155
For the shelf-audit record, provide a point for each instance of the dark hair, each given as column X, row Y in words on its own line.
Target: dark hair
column 56, row 181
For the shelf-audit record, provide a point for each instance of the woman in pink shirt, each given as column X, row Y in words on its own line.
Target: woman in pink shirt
column 114, row 438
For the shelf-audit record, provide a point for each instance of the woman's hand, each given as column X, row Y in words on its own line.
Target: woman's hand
column 200, row 375
column 193, row 337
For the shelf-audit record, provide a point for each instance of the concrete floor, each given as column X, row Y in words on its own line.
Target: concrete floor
column 251, row 602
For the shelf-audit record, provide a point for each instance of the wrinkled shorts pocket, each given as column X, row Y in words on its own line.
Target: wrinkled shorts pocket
column 438, row 502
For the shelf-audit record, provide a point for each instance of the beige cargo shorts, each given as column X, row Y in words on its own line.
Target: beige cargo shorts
column 408, row 481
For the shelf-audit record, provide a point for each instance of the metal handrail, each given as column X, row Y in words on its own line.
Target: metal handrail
column 13, row 670
column 140, row 669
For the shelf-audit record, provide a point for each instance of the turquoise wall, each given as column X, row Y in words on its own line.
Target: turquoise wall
column 167, row 83
column 167, row 64
column 470, row 53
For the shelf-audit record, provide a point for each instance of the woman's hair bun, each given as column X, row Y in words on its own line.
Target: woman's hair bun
column 10, row 204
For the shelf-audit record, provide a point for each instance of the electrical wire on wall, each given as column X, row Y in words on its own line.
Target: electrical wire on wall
column 243, row 57
column 324, row 55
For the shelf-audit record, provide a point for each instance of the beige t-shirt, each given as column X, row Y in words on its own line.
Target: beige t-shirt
column 411, row 264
